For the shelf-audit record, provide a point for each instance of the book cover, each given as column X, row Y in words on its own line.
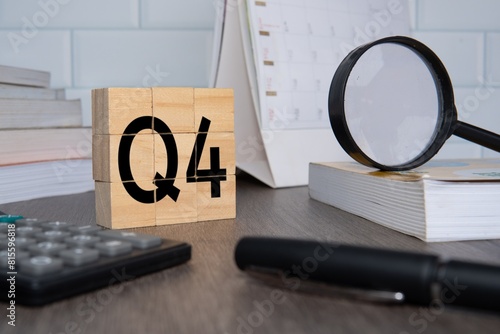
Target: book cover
column 439, row 170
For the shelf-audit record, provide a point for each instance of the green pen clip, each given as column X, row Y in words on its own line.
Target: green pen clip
column 9, row 218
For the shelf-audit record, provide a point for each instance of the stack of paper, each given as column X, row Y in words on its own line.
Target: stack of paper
column 44, row 149
column 440, row 201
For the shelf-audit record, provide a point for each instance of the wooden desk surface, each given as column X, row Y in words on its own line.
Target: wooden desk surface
column 210, row 295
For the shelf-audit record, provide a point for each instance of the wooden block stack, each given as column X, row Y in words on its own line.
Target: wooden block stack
column 163, row 155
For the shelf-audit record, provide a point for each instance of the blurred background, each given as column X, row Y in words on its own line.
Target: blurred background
column 88, row 44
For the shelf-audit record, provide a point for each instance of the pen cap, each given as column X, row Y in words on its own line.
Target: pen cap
column 361, row 267
column 470, row 284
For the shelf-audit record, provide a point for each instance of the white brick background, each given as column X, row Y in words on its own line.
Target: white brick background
column 466, row 36
column 97, row 43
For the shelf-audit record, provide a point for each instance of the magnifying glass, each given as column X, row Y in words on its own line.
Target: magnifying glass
column 392, row 107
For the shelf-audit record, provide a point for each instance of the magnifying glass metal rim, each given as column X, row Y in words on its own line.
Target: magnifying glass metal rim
column 447, row 111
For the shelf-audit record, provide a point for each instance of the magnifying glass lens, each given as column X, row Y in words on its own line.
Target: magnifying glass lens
column 391, row 104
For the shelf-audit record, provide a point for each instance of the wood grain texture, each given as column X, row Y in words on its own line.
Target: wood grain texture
column 184, row 210
column 210, row 295
column 114, row 108
column 116, row 209
column 213, row 208
column 175, row 107
column 184, row 142
column 156, row 151
column 216, row 104
column 105, row 157
column 227, row 156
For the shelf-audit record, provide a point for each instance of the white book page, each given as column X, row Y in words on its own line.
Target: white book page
column 298, row 45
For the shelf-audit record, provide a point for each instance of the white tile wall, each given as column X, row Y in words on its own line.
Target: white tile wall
column 464, row 34
column 91, row 43
column 461, row 52
column 46, row 50
column 493, row 58
column 456, row 148
column 141, row 57
column 185, row 14
column 84, row 95
column 460, row 15
column 479, row 106
column 69, row 14
column 101, row 43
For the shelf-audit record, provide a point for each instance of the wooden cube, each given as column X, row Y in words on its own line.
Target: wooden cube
column 175, row 107
column 163, row 155
column 219, row 150
column 183, row 210
column 221, row 207
column 215, row 176
column 113, row 109
column 183, row 145
column 116, row 209
column 216, row 104
column 105, row 162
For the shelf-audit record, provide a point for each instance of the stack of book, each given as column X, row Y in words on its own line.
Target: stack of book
column 44, row 149
column 443, row 200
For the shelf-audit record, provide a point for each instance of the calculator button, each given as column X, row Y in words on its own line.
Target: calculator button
column 114, row 247
column 79, row 256
column 27, row 231
column 56, row 225
column 86, row 229
column 23, row 242
column 40, row 265
column 47, row 248
column 19, row 242
column 4, row 257
column 53, row 235
column 82, row 240
column 139, row 240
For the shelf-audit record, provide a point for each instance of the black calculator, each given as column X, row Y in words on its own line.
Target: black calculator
column 45, row 261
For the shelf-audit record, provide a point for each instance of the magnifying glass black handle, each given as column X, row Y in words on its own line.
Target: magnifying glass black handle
column 477, row 135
